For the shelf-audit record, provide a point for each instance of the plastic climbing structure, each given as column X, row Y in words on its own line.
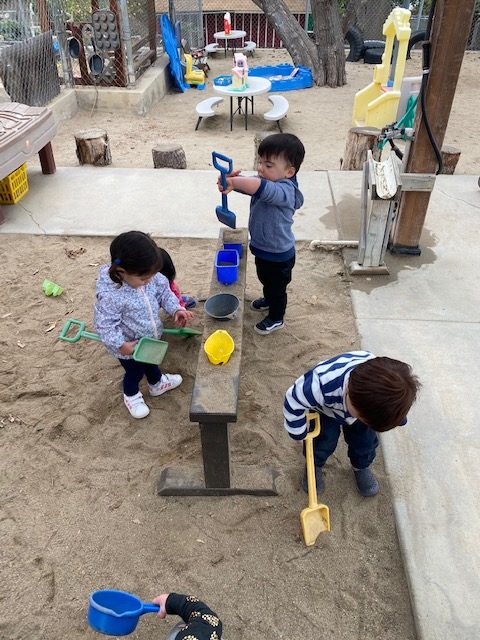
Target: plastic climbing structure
column 376, row 105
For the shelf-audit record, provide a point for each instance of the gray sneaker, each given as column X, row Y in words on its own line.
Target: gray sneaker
column 260, row 304
column 367, row 483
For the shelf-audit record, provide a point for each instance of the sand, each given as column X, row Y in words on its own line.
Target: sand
column 320, row 116
column 78, row 505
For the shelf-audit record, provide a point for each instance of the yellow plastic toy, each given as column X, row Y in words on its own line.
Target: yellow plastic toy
column 376, row 105
column 219, row 347
column 192, row 76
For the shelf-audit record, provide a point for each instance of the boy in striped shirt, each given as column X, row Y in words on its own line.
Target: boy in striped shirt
column 356, row 392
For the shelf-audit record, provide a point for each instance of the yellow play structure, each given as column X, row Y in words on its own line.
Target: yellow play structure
column 376, row 105
column 193, row 76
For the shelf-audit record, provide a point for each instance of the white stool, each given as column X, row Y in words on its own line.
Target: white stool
column 278, row 111
column 205, row 109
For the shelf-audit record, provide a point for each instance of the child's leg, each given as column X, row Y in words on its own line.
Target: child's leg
column 134, row 372
column 153, row 373
column 323, row 447
column 133, row 399
column 275, row 276
column 362, row 442
column 326, row 442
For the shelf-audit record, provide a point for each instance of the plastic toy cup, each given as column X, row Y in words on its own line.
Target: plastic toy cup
column 219, row 347
column 116, row 613
column 222, row 306
column 51, row 288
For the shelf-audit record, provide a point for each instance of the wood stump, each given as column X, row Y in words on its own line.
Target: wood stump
column 450, row 157
column 93, row 147
column 259, row 137
column 171, row 156
column 359, row 141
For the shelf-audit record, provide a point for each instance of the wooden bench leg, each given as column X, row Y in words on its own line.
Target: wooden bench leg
column 46, row 159
column 216, row 454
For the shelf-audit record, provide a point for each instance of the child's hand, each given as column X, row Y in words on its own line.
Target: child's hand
column 128, row 348
column 182, row 316
column 229, row 182
column 161, row 600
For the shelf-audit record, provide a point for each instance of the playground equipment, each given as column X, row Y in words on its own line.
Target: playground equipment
column 193, row 76
column 315, row 519
column 376, row 104
column 109, row 46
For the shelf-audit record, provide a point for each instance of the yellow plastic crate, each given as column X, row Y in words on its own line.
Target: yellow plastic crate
column 14, row 186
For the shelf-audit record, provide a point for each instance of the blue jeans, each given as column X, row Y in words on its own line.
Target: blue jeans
column 134, row 372
column 361, row 441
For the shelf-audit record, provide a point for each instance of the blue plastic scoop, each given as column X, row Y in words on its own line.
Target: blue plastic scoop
column 116, row 613
column 224, row 215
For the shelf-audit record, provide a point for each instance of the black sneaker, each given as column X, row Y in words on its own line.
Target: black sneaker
column 367, row 483
column 318, row 479
column 260, row 304
column 267, row 325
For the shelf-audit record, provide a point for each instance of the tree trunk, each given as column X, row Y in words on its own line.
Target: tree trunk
column 93, row 147
column 169, row 155
column 329, row 42
column 294, row 38
column 450, row 157
column 359, row 141
column 352, row 14
column 257, row 140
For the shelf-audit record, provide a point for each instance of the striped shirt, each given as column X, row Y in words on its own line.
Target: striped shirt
column 321, row 389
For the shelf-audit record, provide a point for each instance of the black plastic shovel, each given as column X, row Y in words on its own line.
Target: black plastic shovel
column 224, row 215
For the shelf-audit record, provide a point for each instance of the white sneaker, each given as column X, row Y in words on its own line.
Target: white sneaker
column 167, row 382
column 136, row 405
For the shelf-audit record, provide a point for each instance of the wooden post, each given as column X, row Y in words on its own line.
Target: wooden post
column 93, row 147
column 47, row 161
column 359, row 141
column 167, row 155
column 450, row 157
column 450, row 31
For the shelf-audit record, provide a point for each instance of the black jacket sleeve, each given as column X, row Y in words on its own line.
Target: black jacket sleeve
column 201, row 622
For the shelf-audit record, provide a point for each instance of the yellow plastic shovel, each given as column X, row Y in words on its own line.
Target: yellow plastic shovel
column 315, row 518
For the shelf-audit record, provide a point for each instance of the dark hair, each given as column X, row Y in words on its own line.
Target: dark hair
column 168, row 268
column 382, row 390
column 136, row 253
column 284, row 145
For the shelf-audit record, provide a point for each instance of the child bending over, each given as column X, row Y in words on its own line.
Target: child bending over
column 199, row 621
column 355, row 392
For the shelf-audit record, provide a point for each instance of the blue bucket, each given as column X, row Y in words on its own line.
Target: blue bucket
column 232, row 246
column 116, row 613
column 226, row 263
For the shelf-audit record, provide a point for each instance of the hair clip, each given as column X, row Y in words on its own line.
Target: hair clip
column 117, row 261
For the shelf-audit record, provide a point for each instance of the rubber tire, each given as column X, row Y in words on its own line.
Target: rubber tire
column 418, row 36
column 374, row 44
column 373, row 56
column 355, row 40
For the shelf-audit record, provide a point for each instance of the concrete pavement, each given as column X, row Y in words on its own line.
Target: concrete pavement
column 425, row 312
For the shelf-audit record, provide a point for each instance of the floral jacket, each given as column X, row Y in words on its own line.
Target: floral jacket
column 123, row 314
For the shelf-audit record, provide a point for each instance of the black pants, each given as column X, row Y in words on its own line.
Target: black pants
column 361, row 442
column 134, row 372
column 275, row 277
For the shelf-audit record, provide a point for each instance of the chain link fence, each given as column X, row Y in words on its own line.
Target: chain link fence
column 63, row 43
column 367, row 15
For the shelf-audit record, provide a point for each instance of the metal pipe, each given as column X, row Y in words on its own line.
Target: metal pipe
column 338, row 244
column 127, row 39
